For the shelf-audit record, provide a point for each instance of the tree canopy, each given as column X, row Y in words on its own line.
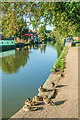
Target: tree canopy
column 64, row 16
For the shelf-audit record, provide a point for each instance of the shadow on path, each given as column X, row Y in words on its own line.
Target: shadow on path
column 40, row 103
column 58, row 86
column 60, row 102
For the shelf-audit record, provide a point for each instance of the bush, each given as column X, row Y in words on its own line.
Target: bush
column 60, row 64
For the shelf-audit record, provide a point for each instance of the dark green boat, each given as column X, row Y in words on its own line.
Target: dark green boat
column 6, row 44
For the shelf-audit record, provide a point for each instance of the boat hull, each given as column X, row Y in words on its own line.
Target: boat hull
column 8, row 47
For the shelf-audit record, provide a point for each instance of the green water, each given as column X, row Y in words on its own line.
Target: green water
column 22, row 74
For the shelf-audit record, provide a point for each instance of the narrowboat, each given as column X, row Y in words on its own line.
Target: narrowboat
column 8, row 44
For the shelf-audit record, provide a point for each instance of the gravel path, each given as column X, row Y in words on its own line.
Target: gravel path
column 66, row 101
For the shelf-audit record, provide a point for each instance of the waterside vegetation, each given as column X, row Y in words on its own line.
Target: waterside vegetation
column 60, row 64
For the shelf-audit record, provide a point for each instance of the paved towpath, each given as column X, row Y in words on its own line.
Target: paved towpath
column 66, row 101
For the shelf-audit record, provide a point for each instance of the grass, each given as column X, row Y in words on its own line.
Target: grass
column 60, row 64
column 76, row 40
column 77, row 45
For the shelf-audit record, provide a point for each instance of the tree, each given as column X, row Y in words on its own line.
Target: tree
column 12, row 18
column 63, row 15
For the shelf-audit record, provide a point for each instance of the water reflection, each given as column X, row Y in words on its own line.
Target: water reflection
column 14, row 59
column 43, row 48
column 12, row 63
column 30, row 67
column 35, row 46
column 59, row 47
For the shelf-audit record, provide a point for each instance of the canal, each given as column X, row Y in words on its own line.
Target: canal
column 23, row 71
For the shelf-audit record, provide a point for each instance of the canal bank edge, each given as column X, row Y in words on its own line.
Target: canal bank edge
column 53, row 77
column 67, row 98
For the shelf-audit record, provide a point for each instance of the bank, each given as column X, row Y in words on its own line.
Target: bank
column 66, row 101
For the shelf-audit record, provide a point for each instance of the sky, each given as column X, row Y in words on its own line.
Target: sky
column 48, row 27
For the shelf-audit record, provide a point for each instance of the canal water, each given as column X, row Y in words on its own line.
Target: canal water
column 23, row 71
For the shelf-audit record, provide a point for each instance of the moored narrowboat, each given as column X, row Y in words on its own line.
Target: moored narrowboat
column 6, row 44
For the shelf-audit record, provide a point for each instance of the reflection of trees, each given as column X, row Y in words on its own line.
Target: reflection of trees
column 59, row 47
column 11, row 64
column 36, row 46
column 50, row 43
column 43, row 48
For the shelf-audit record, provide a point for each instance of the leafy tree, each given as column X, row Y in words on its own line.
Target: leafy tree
column 64, row 16
column 21, row 33
column 45, row 36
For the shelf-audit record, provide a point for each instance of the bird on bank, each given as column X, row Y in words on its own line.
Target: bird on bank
column 62, row 74
column 53, row 84
column 31, row 103
column 55, row 69
column 29, row 108
column 47, row 100
column 54, row 94
column 37, row 98
column 41, row 89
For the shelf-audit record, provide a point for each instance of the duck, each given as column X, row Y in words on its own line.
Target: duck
column 31, row 103
column 54, row 94
column 52, row 84
column 41, row 89
column 29, row 108
column 47, row 100
column 62, row 74
column 37, row 98
column 55, row 69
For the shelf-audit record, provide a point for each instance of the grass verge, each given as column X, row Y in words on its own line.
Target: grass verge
column 60, row 64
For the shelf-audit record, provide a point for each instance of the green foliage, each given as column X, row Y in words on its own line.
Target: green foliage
column 48, row 31
column 51, row 34
column 21, row 33
column 64, row 16
column 42, row 29
column 60, row 64
column 42, row 33
column 77, row 45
